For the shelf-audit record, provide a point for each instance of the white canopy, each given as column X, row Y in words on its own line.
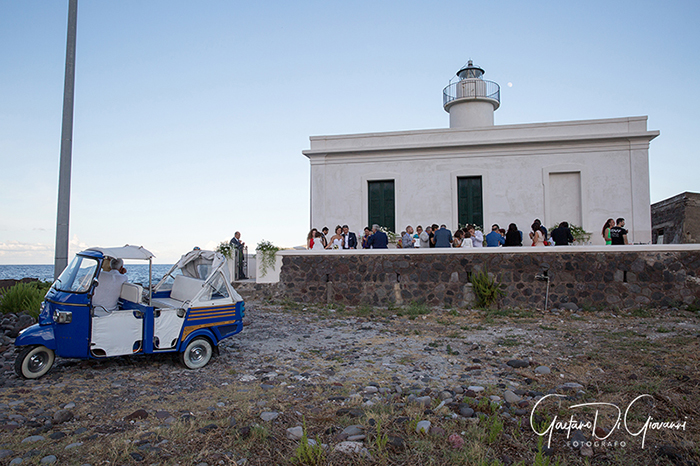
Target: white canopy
column 126, row 252
column 189, row 263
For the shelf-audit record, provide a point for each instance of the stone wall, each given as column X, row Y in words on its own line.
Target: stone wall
column 677, row 219
column 601, row 277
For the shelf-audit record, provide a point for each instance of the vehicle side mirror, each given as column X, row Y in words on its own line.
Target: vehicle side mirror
column 95, row 282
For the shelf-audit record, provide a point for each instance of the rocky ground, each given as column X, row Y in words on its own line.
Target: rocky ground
column 375, row 386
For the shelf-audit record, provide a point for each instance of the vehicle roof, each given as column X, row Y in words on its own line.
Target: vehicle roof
column 125, row 252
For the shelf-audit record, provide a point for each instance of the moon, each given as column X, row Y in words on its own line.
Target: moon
column 510, row 84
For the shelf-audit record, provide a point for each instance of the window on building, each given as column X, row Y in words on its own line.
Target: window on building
column 381, row 203
column 470, row 206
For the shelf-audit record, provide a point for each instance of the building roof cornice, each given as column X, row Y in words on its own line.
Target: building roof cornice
column 630, row 128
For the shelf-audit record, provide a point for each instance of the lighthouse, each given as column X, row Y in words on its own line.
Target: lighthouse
column 470, row 99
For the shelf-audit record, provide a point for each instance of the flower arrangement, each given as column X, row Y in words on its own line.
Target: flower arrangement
column 226, row 249
column 268, row 252
column 393, row 237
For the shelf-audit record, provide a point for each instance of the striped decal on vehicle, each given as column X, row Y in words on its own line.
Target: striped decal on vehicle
column 203, row 317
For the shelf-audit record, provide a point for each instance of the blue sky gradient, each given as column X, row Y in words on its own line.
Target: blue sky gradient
column 190, row 117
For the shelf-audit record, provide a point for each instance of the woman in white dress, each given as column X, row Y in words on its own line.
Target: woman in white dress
column 537, row 235
column 336, row 241
column 467, row 240
column 318, row 242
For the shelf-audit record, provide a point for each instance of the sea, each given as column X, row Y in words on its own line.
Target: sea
column 138, row 273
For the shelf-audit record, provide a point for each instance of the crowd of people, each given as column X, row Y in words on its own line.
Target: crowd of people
column 434, row 236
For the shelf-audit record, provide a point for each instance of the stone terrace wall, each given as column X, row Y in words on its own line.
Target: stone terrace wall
column 612, row 276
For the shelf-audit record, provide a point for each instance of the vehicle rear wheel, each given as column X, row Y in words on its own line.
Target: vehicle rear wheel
column 197, row 353
column 34, row 361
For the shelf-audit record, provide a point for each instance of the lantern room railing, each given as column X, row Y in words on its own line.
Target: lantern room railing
column 471, row 89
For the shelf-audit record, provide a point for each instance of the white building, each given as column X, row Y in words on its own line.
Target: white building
column 583, row 172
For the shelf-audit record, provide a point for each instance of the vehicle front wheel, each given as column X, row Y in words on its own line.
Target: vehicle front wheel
column 197, row 353
column 34, row 361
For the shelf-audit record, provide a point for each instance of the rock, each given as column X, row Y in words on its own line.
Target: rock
column 33, row 439
column 466, row 411
column 423, row 427
column 511, row 397
column 16, row 461
column 50, row 459
column 371, row 389
column 349, row 448
column 586, row 450
column 73, row 445
column 269, row 416
column 495, row 398
column 569, row 306
column 456, row 441
column 438, row 431
column 475, row 388
column 350, row 431
column 24, row 321
column 162, row 415
column 138, row 414
column 136, row 456
column 70, row 405
column 542, row 370
column 518, row 363
column 295, row 433
column 671, row 452
column 570, row 386
column 62, row 415
column 578, row 439
column 5, row 453
column 395, row 442
column 350, row 412
column 424, row 401
column 208, row 428
column 57, row 435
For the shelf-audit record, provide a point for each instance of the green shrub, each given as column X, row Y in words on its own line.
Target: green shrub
column 486, row 289
column 23, row 297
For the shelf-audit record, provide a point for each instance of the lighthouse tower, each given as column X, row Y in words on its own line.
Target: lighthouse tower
column 470, row 99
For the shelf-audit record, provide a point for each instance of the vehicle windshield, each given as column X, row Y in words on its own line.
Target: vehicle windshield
column 77, row 277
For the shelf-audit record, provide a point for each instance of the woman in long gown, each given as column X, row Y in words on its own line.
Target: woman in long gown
column 537, row 236
column 336, row 241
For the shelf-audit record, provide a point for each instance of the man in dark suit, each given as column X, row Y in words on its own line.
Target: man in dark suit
column 349, row 238
column 238, row 245
column 378, row 240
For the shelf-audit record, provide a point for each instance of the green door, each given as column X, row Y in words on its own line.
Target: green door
column 470, row 207
column 381, row 204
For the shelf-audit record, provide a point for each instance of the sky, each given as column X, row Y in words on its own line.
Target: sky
column 190, row 117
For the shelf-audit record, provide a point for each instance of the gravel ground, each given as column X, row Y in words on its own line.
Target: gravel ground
column 292, row 365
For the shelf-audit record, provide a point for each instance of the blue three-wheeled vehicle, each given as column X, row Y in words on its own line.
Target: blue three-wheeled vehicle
column 93, row 312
